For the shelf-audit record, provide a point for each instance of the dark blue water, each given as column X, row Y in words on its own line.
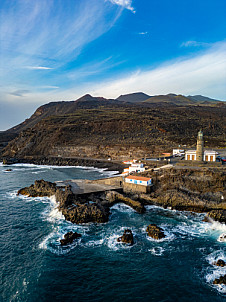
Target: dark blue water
column 34, row 267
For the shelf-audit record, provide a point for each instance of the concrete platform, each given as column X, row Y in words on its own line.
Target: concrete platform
column 84, row 186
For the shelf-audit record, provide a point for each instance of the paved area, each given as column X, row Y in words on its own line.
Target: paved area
column 83, row 186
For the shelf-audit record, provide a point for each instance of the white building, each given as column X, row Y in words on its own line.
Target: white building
column 178, row 152
column 139, row 180
column 138, row 167
column 208, row 155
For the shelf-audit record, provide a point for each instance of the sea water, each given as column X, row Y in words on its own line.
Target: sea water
column 34, row 266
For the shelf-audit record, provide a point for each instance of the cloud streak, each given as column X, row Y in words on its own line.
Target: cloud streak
column 125, row 4
column 39, row 67
column 46, row 35
column 194, row 44
column 20, row 93
column 203, row 74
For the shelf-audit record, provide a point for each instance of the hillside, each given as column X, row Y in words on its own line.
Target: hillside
column 133, row 97
column 61, row 108
column 203, row 99
column 118, row 130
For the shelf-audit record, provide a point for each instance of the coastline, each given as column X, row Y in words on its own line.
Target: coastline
column 64, row 161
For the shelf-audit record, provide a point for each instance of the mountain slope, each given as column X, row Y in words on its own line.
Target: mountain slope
column 120, row 132
column 178, row 100
column 201, row 98
column 133, row 97
column 61, row 108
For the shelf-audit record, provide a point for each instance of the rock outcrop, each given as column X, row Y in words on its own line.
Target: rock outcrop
column 219, row 215
column 220, row 262
column 114, row 197
column 155, row 232
column 39, row 189
column 69, row 238
column 221, row 280
column 74, row 209
column 127, row 237
column 188, row 189
column 222, row 237
column 85, row 213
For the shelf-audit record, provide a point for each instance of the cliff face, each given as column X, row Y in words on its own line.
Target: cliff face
column 198, row 190
column 117, row 131
column 97, row 127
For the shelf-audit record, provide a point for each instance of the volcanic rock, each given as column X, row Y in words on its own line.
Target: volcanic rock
column 85, row 213
column 155, row 232
column 221, row 280
column 69, row 238
column 219, row 215
column 114, row 197
column 127, row 237
column 220, row 262
column 39, row 189
column 222, row 237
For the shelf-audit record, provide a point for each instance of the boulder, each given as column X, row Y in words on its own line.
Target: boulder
column 85, row 213
column 114, row 197
column 222, row 237
column 155, row 232
column 127, row 237
column 220, row 262
column 69, row 238
column 218, row 215
column 221, row 280
column 39, row 189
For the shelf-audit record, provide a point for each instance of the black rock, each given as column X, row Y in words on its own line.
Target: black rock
column 69, row 238
column 127, row 237
column 220, row 262
column 221, row 280
column 155, row 232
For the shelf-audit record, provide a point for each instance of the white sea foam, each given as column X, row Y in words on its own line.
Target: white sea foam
column 210, row 277
column 216, row 255
column 215, row 271
column 52, row 242
column 52, row 213
column 113, row 244
column 122, row 208
column 94, row 243
column 157, row 251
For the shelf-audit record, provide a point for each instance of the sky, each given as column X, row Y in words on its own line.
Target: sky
column 53, row 50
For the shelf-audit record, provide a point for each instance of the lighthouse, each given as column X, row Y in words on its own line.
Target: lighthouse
column 200, row 147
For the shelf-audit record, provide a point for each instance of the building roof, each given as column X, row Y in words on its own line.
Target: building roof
column 190, row 151
column 139, row 178
column 205, row 151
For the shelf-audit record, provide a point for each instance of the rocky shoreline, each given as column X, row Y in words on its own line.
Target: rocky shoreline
column 63, row 161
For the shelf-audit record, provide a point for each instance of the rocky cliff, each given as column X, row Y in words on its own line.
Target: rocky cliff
column 96, row 127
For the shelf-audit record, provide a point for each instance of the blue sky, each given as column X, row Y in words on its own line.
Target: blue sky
column 61, row 49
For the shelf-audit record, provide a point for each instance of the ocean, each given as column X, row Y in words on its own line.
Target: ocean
column 34, row 266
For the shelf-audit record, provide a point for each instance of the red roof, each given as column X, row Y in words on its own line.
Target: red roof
column 139, row 178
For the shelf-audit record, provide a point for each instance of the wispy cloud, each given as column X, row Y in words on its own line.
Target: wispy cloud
column 203, row 74
column 38, row 67
column 143, row 33
column 20, row 92
column 194, row 44
column 49, row 87
column 47, row 35
column 125, row 4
